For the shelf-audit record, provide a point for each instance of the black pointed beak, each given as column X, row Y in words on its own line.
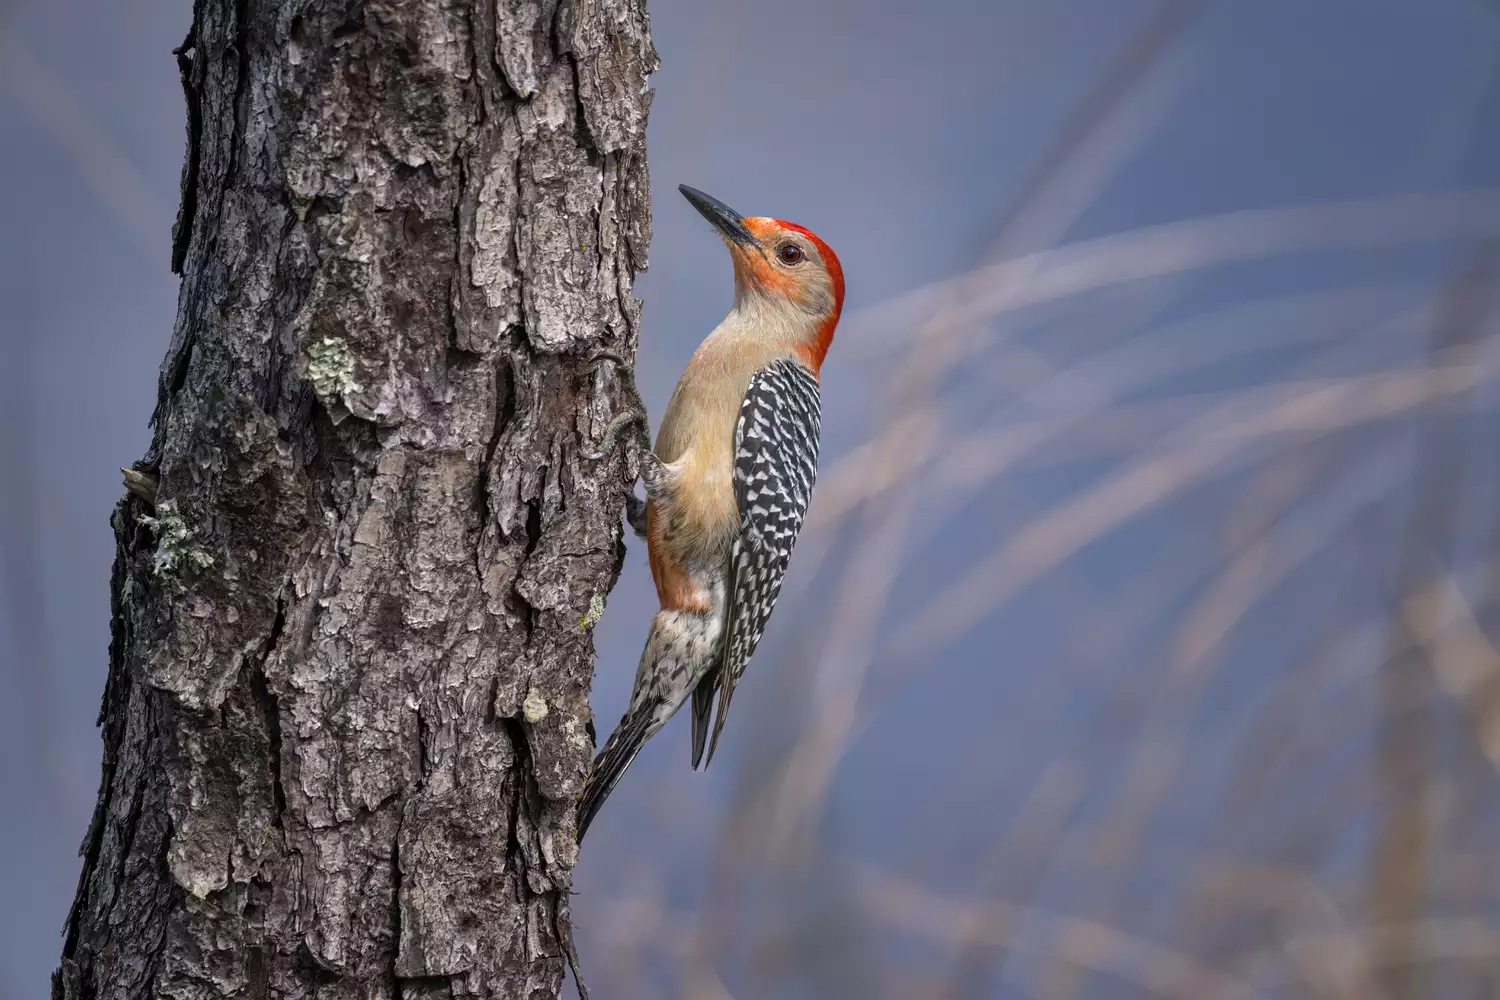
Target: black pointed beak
column 725, row 219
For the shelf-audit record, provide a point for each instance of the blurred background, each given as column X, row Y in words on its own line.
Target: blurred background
column 1143, row 639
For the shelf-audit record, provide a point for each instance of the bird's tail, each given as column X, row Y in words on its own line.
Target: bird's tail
column 619, row 750
column 703, row 704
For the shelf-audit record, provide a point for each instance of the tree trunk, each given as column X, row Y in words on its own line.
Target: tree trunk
column 347, row 708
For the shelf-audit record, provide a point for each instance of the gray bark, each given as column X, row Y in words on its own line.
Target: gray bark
column 347, row 713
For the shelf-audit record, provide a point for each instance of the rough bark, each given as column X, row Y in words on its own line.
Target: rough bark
column 347, row 709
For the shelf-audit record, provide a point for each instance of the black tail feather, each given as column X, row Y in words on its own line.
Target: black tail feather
column 726, row 692
column 703, row 703
column 619, row 750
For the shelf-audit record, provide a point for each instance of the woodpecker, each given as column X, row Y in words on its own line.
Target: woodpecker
column 728, row 483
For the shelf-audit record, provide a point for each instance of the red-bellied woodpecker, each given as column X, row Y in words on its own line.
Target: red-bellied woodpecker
column 728, row 483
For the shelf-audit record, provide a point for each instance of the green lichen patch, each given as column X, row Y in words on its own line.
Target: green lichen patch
column 175, row 551
column 595, row 612
column 534, row 708
column 330, row 368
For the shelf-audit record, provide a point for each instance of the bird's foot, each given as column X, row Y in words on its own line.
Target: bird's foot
column 610, row 440
column 652, row 473
column 634, row 414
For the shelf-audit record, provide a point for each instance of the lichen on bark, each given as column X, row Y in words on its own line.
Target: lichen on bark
column 341, row 752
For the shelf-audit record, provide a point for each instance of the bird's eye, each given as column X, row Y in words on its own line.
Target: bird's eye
column 790, row 253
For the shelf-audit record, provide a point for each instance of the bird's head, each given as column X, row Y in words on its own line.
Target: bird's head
column 784, row 276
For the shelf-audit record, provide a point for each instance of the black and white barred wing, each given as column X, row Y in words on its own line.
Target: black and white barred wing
column 775, row 466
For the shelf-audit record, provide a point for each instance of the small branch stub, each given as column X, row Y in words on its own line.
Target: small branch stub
column 141, row 484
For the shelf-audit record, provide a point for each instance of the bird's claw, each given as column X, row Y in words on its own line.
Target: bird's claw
column 612, row 432
column 651, row 471
column 634, row 413
column 627, row 377
column 598, row 357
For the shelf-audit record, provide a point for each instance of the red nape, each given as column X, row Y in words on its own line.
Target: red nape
column 819, row 349
column 830, row 260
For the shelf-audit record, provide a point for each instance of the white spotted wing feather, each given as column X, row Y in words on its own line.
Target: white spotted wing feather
column 775, row 466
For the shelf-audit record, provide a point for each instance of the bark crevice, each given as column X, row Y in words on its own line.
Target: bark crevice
column 182, row 229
